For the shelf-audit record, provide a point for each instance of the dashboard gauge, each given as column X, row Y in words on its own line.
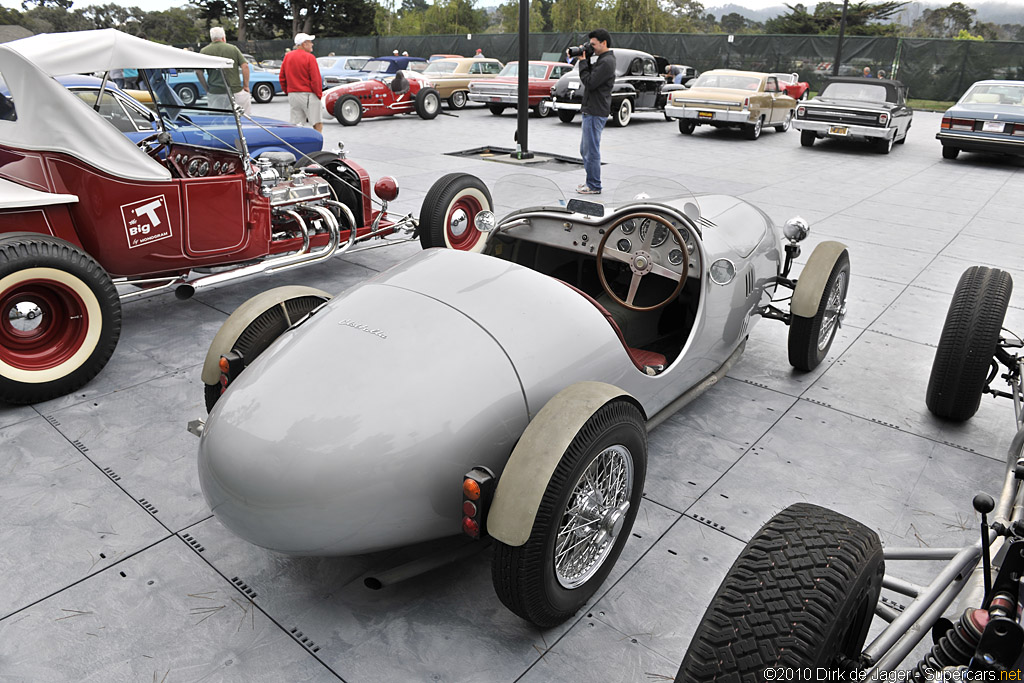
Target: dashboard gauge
column 624, row 245
column 204, row 167
column 628, row 227
column 675, row 257
column 690, row 247
column 661, row 234
column 193, row 168
column 645, row 225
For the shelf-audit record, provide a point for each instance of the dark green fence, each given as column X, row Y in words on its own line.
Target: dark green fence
column 934, row 69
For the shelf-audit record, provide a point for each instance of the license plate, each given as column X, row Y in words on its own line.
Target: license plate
column 705, row 115
column 993, row 127
column 495, row 99
column 838, row 130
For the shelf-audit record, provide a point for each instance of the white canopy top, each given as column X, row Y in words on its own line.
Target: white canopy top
column 59, row 54
column 50, row 117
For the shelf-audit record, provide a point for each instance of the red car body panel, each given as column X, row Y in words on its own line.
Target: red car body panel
column 377, row 97
column 540, row 88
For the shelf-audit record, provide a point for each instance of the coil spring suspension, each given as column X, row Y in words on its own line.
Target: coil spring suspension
column 956, row 647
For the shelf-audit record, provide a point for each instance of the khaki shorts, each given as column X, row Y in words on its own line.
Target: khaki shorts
column 305, row 107
column 244, row 100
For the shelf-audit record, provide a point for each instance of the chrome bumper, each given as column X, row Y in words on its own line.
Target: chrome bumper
column 682, row 112
column 851, row 131
column 568, row 106
column 480, row 97
column 967, row 140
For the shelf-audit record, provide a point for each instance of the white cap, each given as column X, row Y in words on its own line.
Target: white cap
column 300, row 38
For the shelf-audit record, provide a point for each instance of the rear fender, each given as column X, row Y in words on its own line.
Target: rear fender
column 242, row 317
column 811, row 284
column 534, row 459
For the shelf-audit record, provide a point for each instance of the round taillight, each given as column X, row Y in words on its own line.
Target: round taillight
column 471, row 489
column 469, row 509
column 470, row 528
column 225, row 367
column 386, row 188
column 883, row 118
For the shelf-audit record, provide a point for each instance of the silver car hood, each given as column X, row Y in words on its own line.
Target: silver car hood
column 353, row 431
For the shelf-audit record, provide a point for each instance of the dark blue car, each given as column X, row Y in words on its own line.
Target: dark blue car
column 988, row 118
column 193, row 126
column 382, row 66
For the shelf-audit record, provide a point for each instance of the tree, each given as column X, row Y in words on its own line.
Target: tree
column 862, row 18
column 175, row 25
column 49, row 4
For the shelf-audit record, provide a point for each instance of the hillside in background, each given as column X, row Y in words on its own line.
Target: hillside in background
column 995, row 11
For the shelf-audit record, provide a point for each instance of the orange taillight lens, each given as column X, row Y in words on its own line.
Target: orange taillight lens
column 225, row 366
column 471, row 489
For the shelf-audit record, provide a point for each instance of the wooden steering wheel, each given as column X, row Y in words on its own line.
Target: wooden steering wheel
column 641, row 260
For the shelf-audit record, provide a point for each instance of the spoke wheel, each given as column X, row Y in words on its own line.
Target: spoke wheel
column 583, row 521
column 811, row 338
column 457, row 99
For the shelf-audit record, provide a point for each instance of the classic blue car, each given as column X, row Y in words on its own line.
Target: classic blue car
column 383, row 66
column 263, row 85
column 192, row 126
column 335, row 69
column 988, row 118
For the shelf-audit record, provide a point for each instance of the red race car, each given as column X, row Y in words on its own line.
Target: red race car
column 402, row 93
column 503, row 91
column 793, row 86
column 88, row 218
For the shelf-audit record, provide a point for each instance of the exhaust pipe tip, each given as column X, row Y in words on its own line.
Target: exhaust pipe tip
column 183, row 292
column 373, row 583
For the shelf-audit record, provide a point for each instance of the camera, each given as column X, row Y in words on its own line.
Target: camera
column 582, row 50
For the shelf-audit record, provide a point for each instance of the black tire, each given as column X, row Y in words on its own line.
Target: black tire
column 542, row 109
column 883, row 145
column 262, row 93
column 526, row 578
column 60, row 318
column 811, row 338
column 188, row 94
column 440, row 223
column 904, row 138
column 969, row 340
column 752, row 131
column 801, row 594
column 458, row 99
column 348, row 110
column 428, row 103
column 496, row 109
column 566, row 115
column 687, row 126
column 807, row 138
column 261, row 333
column 623, row 113
column 950, row 152
column 786, row 123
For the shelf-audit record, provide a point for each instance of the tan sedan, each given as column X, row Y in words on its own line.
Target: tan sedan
column 721, row 98
column 451, row 77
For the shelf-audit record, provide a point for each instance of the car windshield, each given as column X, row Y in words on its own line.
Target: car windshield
column 512, row 70
column 784, row 78
column 442, row 66
column 326, row 62
column 376, row 65
column 864, row 92
column 730, row 81
column 356, row 62
column 990, row 93
column 520, row 192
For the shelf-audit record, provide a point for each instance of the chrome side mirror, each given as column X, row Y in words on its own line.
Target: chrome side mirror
column 796, row 229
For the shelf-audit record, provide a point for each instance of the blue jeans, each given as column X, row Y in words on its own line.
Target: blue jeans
column 590, row 148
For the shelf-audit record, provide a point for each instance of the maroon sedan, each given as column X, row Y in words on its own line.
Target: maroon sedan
column 503, row 91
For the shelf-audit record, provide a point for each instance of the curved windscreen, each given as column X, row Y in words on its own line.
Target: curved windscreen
column 525, row 191
column 442, row 66
column 862, row 92
column 994, row 93
column 376, row 65
column 512, row 70
column 639, row 189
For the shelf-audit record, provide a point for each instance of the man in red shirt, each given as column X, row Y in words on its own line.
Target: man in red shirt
column 300, row 78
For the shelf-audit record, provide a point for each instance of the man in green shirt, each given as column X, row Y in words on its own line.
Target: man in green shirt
column 220, row 83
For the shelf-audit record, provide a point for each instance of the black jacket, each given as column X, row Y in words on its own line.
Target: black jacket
column 598, row 79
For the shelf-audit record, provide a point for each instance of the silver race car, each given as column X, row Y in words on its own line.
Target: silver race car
column 505, row 394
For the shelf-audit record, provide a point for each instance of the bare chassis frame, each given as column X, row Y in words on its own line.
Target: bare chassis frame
column 964, row 567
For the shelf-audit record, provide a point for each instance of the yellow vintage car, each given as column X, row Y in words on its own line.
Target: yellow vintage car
column 722, row 98
column 451, row 77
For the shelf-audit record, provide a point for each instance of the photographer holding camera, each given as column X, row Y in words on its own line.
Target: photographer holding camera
column 597, row 76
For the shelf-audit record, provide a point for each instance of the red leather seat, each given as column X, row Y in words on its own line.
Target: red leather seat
column 641, row 359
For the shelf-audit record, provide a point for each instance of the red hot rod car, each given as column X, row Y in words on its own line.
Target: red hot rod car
column 402, row 93
column 84, row 210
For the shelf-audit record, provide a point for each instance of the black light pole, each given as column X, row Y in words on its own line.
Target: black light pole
column 839, row 47
column 522, row 104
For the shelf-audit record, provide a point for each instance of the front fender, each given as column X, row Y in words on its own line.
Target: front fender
column 534, row 459
column 811, row 284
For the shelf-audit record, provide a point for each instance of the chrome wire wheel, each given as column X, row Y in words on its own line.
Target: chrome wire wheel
column 594, row 516
column 835, row 310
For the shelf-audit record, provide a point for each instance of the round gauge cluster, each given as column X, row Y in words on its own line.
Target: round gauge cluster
column 198, row 167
